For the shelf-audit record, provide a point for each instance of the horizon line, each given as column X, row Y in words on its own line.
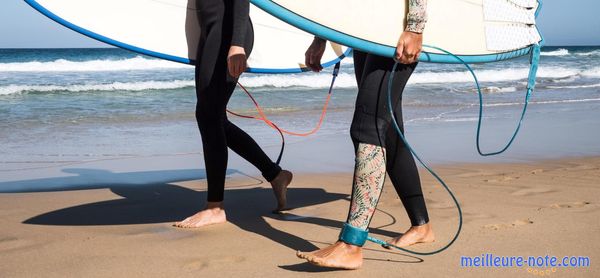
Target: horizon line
column 114, row 47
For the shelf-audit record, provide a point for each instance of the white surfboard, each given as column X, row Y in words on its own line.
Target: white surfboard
column 474, row 30
column 169, row 29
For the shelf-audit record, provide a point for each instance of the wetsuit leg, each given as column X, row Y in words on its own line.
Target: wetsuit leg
column 371, row 118
column 372, row 125
column 404, row 174
column 214, row 87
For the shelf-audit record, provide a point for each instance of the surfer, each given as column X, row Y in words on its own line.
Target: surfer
column 226, row 41
column 378, row 147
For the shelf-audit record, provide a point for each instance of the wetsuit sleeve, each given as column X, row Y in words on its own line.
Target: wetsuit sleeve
column 417, row 16
column 241, row 16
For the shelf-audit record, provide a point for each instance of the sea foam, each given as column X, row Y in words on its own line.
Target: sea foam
column 62, row 65
column 116, row 86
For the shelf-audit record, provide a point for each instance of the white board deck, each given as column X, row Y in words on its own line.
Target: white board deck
column 463, row 27
column 170, row 29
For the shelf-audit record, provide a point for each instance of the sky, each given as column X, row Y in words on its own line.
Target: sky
column 562, row 22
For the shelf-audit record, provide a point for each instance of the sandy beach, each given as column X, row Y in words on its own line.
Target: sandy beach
column 124, row 230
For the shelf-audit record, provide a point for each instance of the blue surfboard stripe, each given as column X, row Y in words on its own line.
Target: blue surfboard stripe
column 372, row 47
column 34, row 4
column 300, row 70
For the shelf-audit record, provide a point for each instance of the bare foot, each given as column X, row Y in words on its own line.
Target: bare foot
column 338, row 255
column 280, row 184
column 414, row 235
column 212, row 214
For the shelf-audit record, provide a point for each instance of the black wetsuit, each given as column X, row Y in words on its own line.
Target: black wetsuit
column 223, row 23
column 372, row 124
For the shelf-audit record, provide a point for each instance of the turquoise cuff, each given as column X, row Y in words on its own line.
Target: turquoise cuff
column 353, row 235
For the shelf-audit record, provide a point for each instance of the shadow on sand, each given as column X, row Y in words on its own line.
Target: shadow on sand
column 149, row 197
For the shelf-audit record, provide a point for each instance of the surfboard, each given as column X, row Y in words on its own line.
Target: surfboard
column 170, row 29
column 477, row 31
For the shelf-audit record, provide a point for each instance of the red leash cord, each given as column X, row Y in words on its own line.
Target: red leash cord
column 263, row 117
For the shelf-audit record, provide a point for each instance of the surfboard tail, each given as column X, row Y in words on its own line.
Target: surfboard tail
column 510, row 24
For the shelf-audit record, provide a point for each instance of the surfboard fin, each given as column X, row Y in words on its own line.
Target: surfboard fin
column 508, row 11
column 504, row 37
column 510, row 24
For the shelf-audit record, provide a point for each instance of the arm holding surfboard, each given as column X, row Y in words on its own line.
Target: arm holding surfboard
column 409, row 44
column 236, row 58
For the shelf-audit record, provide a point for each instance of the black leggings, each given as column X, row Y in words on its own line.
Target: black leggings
column 214, row 87
column 372, row 124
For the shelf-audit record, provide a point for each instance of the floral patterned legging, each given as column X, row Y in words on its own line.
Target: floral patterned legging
column 378, row 146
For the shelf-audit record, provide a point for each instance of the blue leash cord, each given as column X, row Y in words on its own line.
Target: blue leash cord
column 535, row 56
column 535, row 59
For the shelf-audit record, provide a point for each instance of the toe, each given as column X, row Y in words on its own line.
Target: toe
column 183, row 223
column 313, row 259
column 187, row 224
column 300, row 254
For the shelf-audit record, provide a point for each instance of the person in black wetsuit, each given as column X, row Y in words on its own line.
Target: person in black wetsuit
column 226, row 41
column 378, row 147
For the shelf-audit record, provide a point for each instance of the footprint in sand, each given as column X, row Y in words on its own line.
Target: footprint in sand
column 581, row 167
column 476, row 174
column 537, row 171
column 514, row 224
column 13, row 243
column 206, row 262
column 503, row 178
column 439, row 205
column 442, row 206
column 470, row 216
column 570, row 205
column 532, row 191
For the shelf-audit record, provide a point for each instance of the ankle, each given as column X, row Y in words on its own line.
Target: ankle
column 422, row 229
column 214, row 206
column 282, row 174
column 349, row 247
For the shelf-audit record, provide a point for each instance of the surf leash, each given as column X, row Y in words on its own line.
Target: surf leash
column 431, row 171
column 263, row 117
column 533, row 68
column 534, row 63
column 270, row 124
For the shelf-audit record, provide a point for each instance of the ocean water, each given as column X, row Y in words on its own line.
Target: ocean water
column 76, row 104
